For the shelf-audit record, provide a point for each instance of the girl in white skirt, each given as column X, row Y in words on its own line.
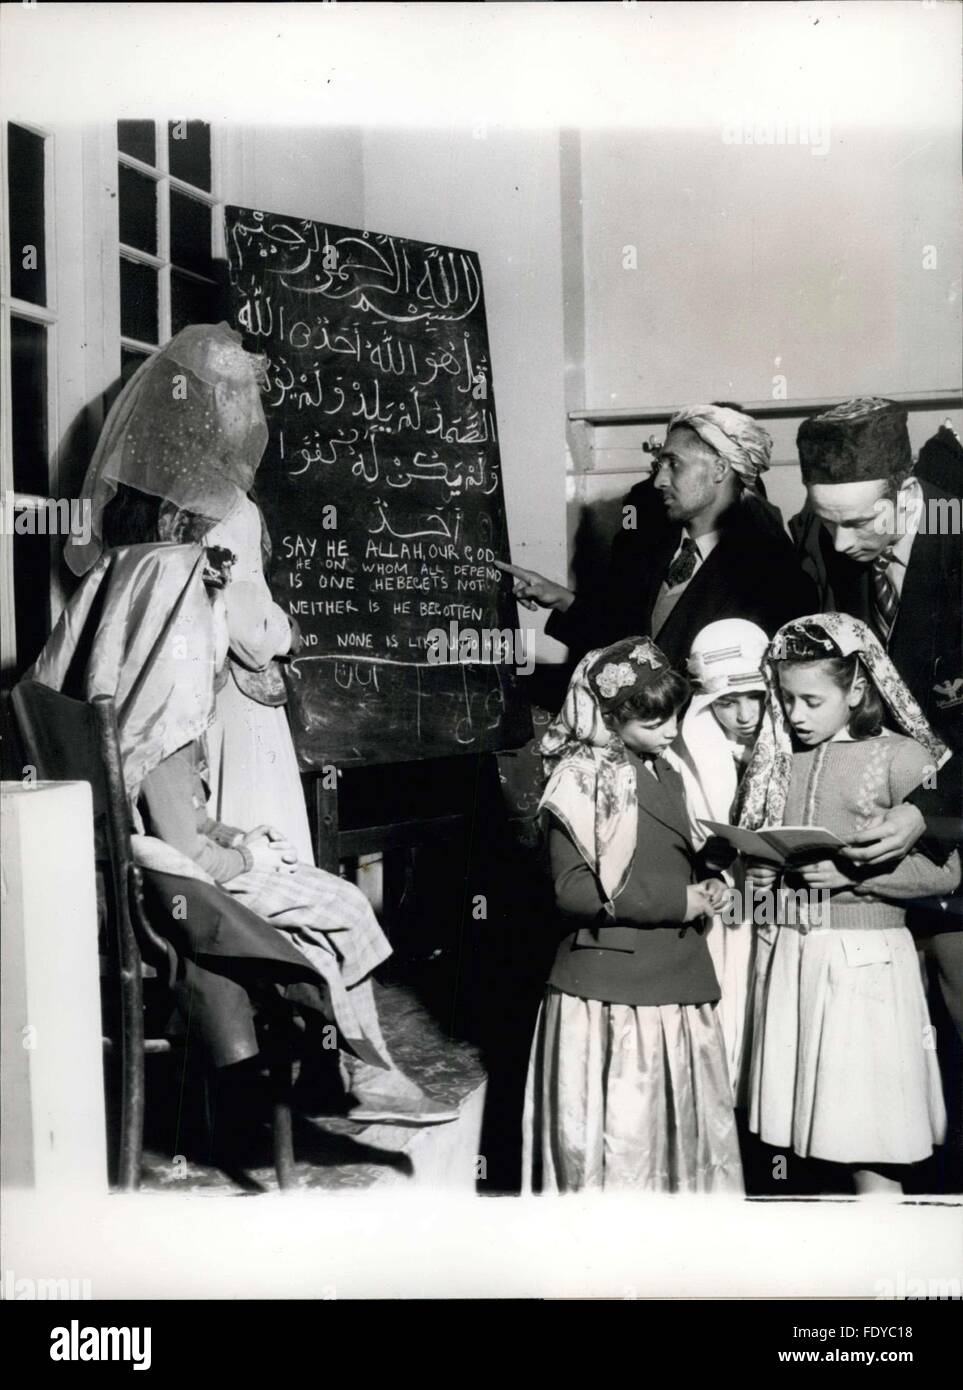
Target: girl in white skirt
column 627, row 1084
column 843, row 1064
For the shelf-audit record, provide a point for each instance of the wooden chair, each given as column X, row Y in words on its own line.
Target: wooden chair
column 70, row 740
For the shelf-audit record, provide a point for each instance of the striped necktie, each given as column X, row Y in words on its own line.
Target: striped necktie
column 683, row 566
column 885, row 598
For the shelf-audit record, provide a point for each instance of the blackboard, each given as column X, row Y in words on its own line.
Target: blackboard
column 381, row 486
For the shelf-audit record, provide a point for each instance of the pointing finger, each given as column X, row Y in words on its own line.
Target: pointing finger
column 516, row 570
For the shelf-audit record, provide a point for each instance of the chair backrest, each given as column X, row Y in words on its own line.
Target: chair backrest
column 60, row 737
column 71, row 740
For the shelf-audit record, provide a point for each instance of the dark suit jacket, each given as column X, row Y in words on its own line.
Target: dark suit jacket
column 926, row 645
column 752, row 573
column 647, row 955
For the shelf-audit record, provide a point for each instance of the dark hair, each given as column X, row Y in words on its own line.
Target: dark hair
column 129, row 518
column 866, row 719
column 663, row 696
column 132, row 517
column 895, row 481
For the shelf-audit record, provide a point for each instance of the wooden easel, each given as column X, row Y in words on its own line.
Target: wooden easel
column 394, row 840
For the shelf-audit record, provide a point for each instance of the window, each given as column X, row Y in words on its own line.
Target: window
column 166, row 212
column 29, row 320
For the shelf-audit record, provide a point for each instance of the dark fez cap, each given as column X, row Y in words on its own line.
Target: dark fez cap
column 854, row 442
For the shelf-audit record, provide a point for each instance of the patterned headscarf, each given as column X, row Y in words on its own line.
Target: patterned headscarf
column 735, row 437
column 591, row 781
column 766, row 783
column 165, row 435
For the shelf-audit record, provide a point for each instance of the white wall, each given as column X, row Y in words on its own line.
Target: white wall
column 497, row 193
column 826, row 268
column 307, row 171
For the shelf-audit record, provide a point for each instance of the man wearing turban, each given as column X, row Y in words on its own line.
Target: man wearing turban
column 715, row 548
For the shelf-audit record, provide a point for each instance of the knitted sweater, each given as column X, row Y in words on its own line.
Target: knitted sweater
column 172, row 798
column 841, row 786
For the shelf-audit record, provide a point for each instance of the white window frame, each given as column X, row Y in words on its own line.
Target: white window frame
column 46, row 315
column 82, row 315
column 167, row 183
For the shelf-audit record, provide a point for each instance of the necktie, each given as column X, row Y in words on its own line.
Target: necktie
column 885, row 598
column 683, row 566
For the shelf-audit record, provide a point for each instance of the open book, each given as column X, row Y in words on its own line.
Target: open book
column 777, row 844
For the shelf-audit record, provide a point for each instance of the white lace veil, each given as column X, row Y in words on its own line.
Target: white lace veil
column 172, row 435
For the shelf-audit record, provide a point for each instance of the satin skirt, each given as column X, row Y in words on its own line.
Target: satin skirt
column 843, row 1058
column 624, row 1097
column 731, row 949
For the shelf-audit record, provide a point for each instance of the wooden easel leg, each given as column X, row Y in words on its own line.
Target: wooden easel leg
column 326, row 846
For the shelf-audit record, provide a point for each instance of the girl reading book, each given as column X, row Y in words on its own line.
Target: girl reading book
column 627, row 1083
column 841, row 1068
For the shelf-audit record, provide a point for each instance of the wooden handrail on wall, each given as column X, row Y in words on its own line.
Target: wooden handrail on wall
column 764, row 410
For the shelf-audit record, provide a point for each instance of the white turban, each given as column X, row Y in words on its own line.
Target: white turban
column 735, row 437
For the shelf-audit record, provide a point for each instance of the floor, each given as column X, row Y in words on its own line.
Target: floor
column 332, row 1152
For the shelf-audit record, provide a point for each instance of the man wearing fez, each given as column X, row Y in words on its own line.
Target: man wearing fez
column 717, row 550
column 891, row 548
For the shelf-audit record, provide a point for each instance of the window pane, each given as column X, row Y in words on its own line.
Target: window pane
column 28, row 262
column 137, row 138
column 28, row 424
column 190, row 233
column 193, row 301
column 138, row 209
column 31, row 596
column 28, row 417
column 189, row 152
column 129, row 362
column 138, row 301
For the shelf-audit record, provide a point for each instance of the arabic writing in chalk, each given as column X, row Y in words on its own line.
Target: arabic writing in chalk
column 376, row 274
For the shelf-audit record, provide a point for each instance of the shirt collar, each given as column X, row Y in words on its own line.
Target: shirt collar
column 704, row 544
column 913, row 512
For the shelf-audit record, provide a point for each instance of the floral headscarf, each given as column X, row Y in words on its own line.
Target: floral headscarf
column 766, row 784
column 591, row 781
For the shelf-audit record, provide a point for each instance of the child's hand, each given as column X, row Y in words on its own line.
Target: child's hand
column 275, row 840
column 703, row 899
column 270, row 855
column 762, row 875
column 824, row 874
column 715, row 890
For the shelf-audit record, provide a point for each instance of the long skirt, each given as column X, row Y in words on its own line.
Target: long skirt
column 254, row 770
column 843, row 1056
column 730, row 947
column 628, row 1097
